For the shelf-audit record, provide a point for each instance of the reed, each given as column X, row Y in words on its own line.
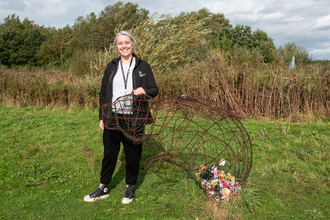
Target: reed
column 260, row 90
column 249, row 90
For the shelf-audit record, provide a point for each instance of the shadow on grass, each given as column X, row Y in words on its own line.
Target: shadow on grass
column 120, row 175
column 166, row 172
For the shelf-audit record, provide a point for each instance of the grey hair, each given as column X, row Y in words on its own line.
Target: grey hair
column 133, row 42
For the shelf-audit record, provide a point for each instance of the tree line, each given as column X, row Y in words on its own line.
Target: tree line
column 204, row 33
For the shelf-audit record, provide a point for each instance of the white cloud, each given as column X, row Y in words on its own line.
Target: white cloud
column 325, row 51
column 323, row 23
column 305, row 22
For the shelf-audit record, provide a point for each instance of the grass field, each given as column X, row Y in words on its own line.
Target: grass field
column 50, row 158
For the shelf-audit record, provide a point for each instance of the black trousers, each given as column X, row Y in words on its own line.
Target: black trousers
column 111, row 142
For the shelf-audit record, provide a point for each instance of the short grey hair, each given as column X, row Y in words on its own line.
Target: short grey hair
column 133, row 42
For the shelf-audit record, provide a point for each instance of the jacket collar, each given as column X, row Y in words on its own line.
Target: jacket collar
column 137, row 60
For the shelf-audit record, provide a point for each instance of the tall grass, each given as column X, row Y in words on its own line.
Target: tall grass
column 160, row 43
column 258, row 91
column 249, row 90
column 48, row 88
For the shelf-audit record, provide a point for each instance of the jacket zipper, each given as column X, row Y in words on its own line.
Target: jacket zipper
column 111, row 81
column 133, row 75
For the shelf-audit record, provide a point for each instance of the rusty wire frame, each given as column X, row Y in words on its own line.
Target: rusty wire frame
column 185, row 131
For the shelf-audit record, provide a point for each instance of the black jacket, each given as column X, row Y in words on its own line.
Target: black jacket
column 142, row 77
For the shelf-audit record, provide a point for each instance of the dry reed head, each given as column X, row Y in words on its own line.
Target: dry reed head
column 164, row 46
column 248, row 90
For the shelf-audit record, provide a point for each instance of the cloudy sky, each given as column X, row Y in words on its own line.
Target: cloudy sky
column 304, row 22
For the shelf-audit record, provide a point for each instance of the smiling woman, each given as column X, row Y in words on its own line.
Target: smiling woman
column 124, row 45
column 126, row 75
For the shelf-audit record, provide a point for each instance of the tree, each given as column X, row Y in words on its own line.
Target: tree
column 223, row 40
column 58, row 48
column 241, row 38
column 19, row 41
column 97, row 32
column 264, row 45
column 212, row 22
column 291, row 49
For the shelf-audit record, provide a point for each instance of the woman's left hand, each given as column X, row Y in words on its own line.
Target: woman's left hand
column 139, row 91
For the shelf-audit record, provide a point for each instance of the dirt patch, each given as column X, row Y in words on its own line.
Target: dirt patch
column 219, row 213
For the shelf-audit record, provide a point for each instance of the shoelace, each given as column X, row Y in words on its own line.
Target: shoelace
column 128, row 192
column 98, row 192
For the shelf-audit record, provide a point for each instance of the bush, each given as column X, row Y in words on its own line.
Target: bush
column 82, row 62
column 289, row 50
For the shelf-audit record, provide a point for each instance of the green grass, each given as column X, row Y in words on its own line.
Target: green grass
column 50, row 158
column 291, row 167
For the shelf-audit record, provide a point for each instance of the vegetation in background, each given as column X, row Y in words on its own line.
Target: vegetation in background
column 241, row 38
column 250, row 90
column 161, row 46
column 48, row 88
column 97, row 32
column 69, row 48
column 58, row 48
column 20, row 41
column 289, row 50
column 212, row 22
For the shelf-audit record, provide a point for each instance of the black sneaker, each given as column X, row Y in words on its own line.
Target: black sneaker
column 129, row 195
column 101, row 193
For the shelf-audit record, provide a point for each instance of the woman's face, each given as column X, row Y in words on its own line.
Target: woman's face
column 124, row 46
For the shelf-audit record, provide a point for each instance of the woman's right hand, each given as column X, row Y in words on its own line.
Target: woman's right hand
column 101, row 124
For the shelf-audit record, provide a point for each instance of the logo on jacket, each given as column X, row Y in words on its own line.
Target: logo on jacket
column 141, row 74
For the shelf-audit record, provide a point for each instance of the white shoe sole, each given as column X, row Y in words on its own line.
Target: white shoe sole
column 89, row 199
column 126, row 201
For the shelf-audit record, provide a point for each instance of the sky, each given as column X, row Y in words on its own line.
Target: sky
column 305, row 22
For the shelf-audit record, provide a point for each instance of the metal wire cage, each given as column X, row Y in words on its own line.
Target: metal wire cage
column 129, row 114
column 195, row 134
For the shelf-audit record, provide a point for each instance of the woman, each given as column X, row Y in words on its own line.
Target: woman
column 122, row 76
